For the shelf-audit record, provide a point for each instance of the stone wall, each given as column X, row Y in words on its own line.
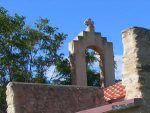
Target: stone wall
column 136, row 63
column 40, row 98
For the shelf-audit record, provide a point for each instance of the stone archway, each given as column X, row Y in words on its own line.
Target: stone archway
column 91, row 39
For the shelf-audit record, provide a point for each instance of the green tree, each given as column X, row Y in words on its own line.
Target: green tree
column 63, row 72
column 25, row 52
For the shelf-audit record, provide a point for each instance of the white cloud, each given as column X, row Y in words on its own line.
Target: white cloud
column 118, row 71
column 50, row 72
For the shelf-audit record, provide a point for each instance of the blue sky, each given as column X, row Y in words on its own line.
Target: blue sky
column 110, row 16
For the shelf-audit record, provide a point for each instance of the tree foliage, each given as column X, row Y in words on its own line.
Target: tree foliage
column 63, row 72
column 25, row 52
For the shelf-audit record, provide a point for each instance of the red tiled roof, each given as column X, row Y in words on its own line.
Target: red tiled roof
column 116, row 91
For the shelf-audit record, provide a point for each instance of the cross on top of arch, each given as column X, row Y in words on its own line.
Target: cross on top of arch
column 90, row 24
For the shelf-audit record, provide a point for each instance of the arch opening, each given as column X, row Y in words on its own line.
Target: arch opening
column 94, row 72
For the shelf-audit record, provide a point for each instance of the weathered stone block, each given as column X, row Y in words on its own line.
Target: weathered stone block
column 40, row 98
column 136, row 62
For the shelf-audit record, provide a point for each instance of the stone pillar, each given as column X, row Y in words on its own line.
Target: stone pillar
column 109, row 64
column 78, row 64
column 102, row 71
column 136, row 63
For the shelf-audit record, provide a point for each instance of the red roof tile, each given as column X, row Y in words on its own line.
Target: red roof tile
column 116, row 91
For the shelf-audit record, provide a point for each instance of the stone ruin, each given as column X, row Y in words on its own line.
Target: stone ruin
column 39, row 98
